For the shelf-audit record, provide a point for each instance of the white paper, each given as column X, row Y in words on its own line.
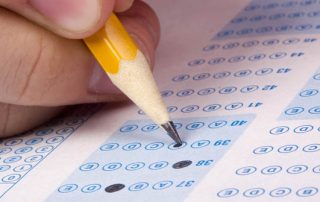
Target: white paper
column 241, row 80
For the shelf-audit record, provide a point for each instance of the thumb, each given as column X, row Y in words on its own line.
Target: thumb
column 68, row 18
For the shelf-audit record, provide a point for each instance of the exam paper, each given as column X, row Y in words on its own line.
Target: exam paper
column 241, row 80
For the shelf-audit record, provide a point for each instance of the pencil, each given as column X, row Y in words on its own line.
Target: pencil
column 129, row 70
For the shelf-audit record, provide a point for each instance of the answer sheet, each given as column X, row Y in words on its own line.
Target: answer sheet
column 241, row 80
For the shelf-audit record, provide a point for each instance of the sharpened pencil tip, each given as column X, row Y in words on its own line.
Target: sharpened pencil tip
column 172, row 132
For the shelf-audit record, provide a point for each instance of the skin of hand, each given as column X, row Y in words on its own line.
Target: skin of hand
column 44, row 64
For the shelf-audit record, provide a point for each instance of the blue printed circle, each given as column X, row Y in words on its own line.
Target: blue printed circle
column 296, row 169
column 185, row 92
column 221, row 75
column 270, row 42
column 315, row 169
column 91, row 188
column 217, row 124
column 158, row 165
column 313, row 14
column 242, row 73
column 194, row 125
column 291, row 41
column 276, row 16
column 200, row 144
column 138, row 186
column 131, row 146
column 43, row 132
column 173, row 147
column 89, row 166
column 308, row 92
column 34, row 141
column 303, row 27
column 5, row 150
column 228, row 90
column 128, row 128
column 201, row 76
column 294, row 110
column 11, row 178
column 12, row 159
column 269, row 170
column 264, row 29
column 303, row 129
column 230, row 45
column 280, row 192
column 190, row 108
column 239, row 19
column 254, row 192
column 263, row 150
column 256, row 57
column 247, row 170
column 172, row 109
column 65, row 131
column 236, row 59
column 225, row 33
column 13, row 142
column 288, row 4
column 314, row 110
column 279, row 130
column 216, row 61
column 181, row 77
column 4, row 168
column 270, row 6
column 166, row 93
column 278, row 55
column 135, row 166
column 154, row 146
column 211, row 47
column 22, row 168
column 257, row 18
column 162, row 185
column 44, row 149
column 316, row 77
column 66, row 188
column 295, row 15
column 23, row 150
column 283, row 28
column 229, row 192
column 244, row 31
column 249, row 89
column 307, row 191
column 211, row 107
column 34, row 158
column 109, row 146
column 263, row 71
column 177, row 125
column 55, row 140
column 150, row 127
column 311, row 148
column 112, row 166
column 249, row 44
column 288, row 148
column 196, row 62
column 141, row 112
column 206, row 91
column 234, row 106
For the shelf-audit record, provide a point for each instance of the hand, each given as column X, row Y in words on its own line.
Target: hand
column 43, row 64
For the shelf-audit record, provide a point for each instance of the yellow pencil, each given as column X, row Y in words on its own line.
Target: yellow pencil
column 129, row 71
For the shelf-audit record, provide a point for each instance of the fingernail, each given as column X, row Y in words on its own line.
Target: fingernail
column 72, row 15
column 100, row 83
column 123, row 5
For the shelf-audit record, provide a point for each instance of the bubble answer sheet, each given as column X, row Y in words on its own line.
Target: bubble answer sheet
column 241, row 80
